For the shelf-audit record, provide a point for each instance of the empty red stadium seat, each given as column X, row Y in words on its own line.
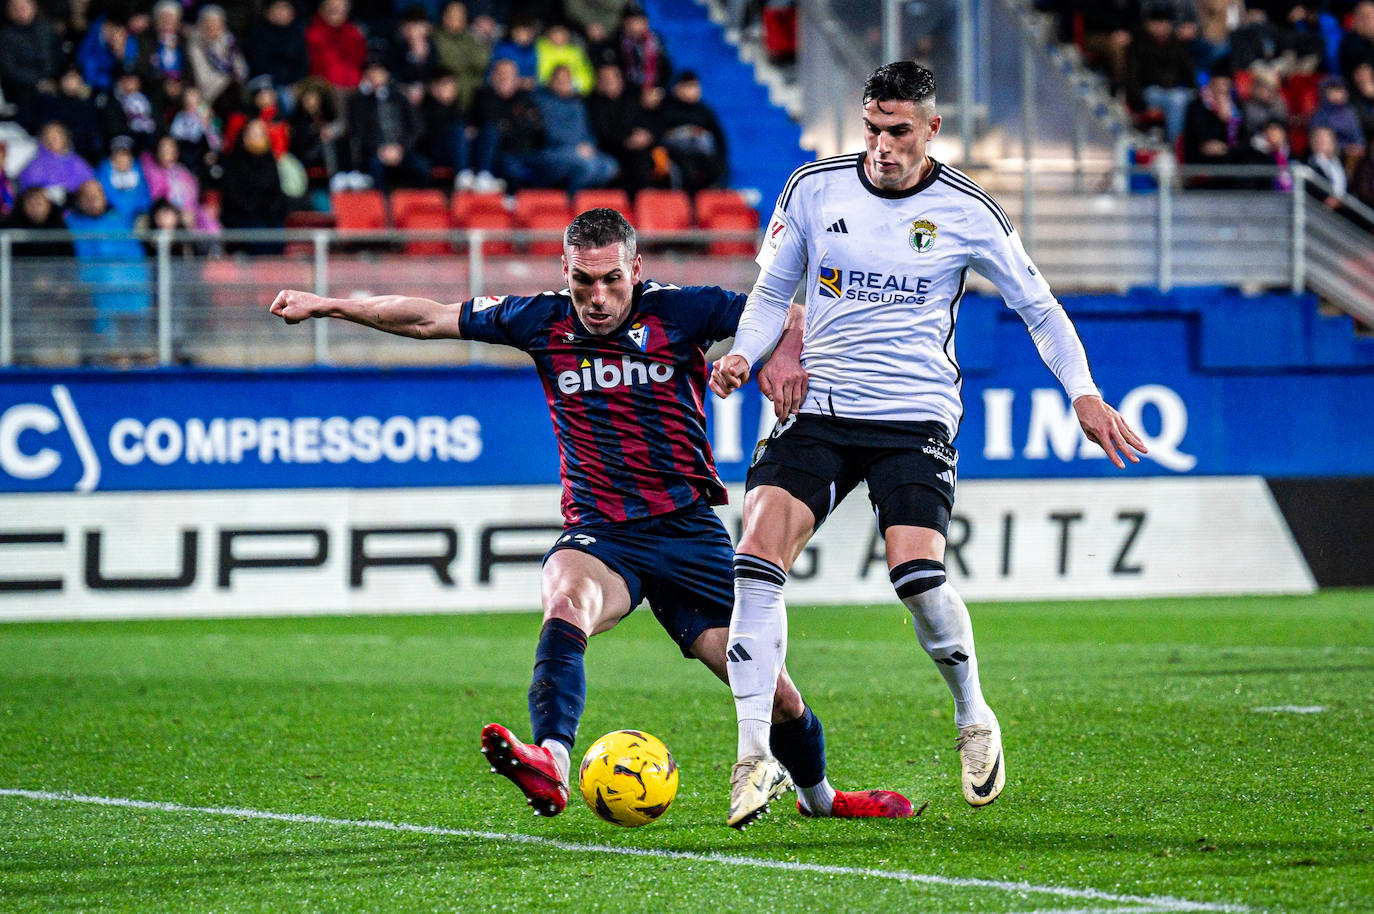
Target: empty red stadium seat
column 465, row 205
column 663, row 210
column 426, row 218
column 735, row 221
column 710, row 202
column 609, row 198
column 499, row 224
column 359, row 210
column 535, row 201
column 405, row 200
column 548, row 221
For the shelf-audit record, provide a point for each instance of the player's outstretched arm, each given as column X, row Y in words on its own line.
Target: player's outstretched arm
column 419, row 318
column 1105, row 426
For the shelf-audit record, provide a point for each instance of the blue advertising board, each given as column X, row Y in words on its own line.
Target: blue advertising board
column 1202, row 411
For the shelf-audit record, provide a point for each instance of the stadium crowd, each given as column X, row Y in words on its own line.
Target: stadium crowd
column 130, row 113
column 1243, row 82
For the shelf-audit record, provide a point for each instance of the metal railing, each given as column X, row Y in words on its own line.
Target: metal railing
column 1334, row 254
column 202, row 299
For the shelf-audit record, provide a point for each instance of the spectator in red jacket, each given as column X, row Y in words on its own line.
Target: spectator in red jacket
column 262, row 106
column 336, row 46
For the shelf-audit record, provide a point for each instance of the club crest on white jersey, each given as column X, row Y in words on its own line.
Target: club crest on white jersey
column 922, row 235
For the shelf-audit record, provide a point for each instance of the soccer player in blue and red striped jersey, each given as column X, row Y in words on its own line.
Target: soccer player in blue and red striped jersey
column 623, row 365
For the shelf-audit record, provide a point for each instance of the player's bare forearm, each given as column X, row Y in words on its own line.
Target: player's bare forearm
column 403, row 315
column 1106, row 427
column 783, row 379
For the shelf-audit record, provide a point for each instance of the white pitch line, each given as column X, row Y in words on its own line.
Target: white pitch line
column 1140, row 904
column 1290, row 709
column 1133, row 909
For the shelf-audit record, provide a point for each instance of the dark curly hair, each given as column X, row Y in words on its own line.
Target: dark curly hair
column 901, row 81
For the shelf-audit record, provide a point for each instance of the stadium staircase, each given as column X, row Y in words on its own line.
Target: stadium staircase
column 765, row 144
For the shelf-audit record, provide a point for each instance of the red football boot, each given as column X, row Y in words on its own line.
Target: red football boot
column 866, row 804
column 531, row 768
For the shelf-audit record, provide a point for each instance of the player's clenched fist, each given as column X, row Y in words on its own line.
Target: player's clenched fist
column 294, row 306
column 728, row 374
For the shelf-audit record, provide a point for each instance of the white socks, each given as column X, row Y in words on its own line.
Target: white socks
column 757, row 647
column 818, row 800
column 560, row 756
column 946, row 633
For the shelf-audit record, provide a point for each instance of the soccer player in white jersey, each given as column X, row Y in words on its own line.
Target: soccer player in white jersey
column 883, row 241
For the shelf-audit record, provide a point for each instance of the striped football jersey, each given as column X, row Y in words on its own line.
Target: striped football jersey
column 627, row 408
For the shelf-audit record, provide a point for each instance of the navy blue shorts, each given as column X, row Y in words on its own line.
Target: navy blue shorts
column 682, row 563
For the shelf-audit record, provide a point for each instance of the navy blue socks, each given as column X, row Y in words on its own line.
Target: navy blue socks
column 800, row 746
column 558, row 691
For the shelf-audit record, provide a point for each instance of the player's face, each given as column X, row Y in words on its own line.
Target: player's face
column 896, row 134
column 602, row 282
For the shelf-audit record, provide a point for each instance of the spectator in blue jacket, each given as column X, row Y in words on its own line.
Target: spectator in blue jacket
column 518, row 46
column 112, row 264
column 107, row 49
column 126, row 187
column 570, row 156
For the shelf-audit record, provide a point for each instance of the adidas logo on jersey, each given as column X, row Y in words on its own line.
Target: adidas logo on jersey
column 599, row 374
column 838, row 227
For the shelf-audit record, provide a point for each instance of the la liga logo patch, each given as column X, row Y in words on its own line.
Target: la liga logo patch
column 922, row 235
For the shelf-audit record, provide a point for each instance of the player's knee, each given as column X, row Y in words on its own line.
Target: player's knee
column 564, row 605
column 916, row 581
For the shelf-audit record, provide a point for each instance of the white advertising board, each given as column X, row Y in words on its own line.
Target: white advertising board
column 305, row 551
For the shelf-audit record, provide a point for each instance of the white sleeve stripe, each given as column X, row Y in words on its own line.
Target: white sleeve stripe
column 987, row 201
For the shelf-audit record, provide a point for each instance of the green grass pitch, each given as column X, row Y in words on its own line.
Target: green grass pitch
column 1142, row 774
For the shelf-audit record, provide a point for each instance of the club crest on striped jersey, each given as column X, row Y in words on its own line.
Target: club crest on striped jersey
column 922, row 235
column 639, row 335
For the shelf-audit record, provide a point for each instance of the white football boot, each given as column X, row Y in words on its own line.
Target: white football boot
column 754, row 783
column 984, row 771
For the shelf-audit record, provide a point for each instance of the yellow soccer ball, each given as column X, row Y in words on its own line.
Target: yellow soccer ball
column 628, row 778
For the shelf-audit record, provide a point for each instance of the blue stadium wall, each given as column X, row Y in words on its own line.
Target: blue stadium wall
column 1220, row 385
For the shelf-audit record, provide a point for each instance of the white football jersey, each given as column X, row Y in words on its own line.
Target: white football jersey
column 884, row 273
